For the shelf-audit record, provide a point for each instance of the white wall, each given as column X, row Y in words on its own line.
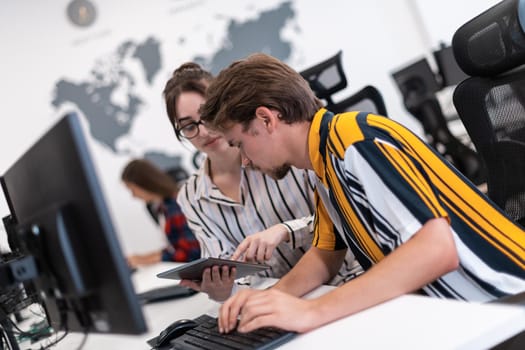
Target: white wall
column 40, row 47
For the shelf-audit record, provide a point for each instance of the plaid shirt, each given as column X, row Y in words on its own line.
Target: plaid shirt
column 183, row 244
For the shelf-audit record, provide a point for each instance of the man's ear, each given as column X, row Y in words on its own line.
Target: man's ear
column 267, row 116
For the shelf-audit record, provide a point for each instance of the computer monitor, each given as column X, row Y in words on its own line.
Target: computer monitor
column 416, row 79
column 449, row 70
column 58, row 215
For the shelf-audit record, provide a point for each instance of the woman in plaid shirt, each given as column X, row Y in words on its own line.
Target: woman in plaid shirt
column 155, row 187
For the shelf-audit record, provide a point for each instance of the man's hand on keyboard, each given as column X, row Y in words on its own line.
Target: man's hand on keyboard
column 267, row 308
column 217, row 282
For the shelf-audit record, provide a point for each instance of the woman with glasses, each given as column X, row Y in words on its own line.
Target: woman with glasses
column 234, row 210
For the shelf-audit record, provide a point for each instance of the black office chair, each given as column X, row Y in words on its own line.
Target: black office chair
column 368, row 99
column 328, row 77
column 491, row 104
column 418, row 86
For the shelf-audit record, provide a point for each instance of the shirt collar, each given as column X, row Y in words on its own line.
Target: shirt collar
column 206, row 189
column 203, row 180
column 314, row 140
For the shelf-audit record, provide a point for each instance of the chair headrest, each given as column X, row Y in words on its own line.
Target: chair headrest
column 327, row 77
column 492, row 42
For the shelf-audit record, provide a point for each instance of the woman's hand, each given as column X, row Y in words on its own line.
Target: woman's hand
column 217, row 282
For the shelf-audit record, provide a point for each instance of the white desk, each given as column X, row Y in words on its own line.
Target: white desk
column 408, row 322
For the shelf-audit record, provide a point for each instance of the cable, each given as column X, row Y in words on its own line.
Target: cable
column 8, row 337
column 31, row 335
column 83, row 342
column 55, row 342
column 42, row 313
column 63, row 325
column 3, row 340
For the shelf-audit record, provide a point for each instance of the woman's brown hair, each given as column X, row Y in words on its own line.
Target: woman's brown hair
column 189, row 77
column 147, row 176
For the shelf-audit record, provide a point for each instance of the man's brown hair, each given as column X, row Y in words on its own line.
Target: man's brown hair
column 258, row 80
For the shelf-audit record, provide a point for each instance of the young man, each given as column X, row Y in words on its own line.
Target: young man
column 410, row 218
column 230, row 207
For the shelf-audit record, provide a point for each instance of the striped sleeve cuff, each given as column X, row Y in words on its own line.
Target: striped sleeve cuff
column 300, row 231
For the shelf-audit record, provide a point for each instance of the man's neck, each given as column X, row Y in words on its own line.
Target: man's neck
column 225, row 163
column 298, row 145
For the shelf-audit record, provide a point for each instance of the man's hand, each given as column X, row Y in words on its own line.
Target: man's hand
column 260, row 246
column 217, row 282
column 426, row 256
column 267, row 308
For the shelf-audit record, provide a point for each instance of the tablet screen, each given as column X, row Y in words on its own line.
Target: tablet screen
column 193, row 270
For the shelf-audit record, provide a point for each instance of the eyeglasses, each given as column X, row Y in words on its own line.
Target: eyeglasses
column 189, row 130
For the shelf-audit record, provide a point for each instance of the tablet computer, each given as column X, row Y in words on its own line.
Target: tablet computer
column 193, row 270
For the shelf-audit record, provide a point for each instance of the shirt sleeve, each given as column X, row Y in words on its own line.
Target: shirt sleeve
column 300, row 231
column 325, row 233
column 185, row 245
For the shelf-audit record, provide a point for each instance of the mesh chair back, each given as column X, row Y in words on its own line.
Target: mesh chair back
column 492, row 42
column 493, row 112
column 491, row 104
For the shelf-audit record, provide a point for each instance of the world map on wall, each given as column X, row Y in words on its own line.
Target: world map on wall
column 109, row 121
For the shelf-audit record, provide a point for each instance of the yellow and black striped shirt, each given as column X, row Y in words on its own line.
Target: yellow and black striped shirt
column 380, row 183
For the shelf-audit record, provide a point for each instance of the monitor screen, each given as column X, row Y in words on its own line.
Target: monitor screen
column 59, row 216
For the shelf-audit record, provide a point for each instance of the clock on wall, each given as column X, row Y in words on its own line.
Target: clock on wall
column 81, row 12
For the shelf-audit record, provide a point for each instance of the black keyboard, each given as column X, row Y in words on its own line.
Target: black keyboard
column 206, row 336
column 165, row 293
